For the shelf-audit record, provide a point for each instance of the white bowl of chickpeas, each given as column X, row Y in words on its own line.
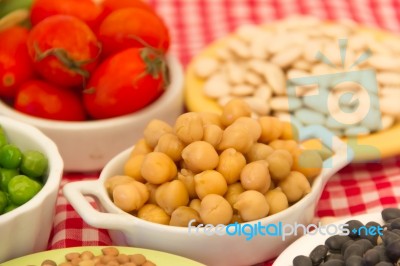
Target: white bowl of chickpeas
column 182, row 186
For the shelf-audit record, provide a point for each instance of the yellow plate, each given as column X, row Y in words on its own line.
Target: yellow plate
column 57, row 255
column 375, row 146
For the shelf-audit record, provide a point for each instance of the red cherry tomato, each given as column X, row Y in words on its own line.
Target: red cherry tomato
column 112, row 5
column 85, row 10
column 125, row 83
column 64, row 50
column 41, row 99
column 15, row 63
column 125, row 28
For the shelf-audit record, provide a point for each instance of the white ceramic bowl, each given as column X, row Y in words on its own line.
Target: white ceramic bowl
column 129, row 230
column 27, row 228
column 89, row 145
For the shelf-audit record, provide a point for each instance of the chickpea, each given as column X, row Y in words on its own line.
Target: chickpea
column 309, row 163
column 141, row 147
column 289, row 145
column 200, row 156
column 171, row 145
column 158, row 168
column 289, row 131
column 237, row 137
column 255, row 176
column 154, row 214
column 258, row 151
column 130, row 196
column 210, row 118
column 234, row 109
column 231, row 163
column 183, row 215
column 251, row 205
column 116, row 180
column 152, row 191
column 295, row 186
column 212, row 135
column 210, row 182
column 233, row 192
column 132, row 167
column 271, row 128
column 279, row 164
column 277, row 200
column 214, row 209
column 250, row 123
column 195, row 204
column 187, row 178
column 154, row 130
column 171, row 195
column 189, row 127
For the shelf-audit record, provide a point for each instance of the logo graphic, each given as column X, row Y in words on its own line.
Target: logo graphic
column 345, row 102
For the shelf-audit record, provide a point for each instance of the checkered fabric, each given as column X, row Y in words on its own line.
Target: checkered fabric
column 193, row 24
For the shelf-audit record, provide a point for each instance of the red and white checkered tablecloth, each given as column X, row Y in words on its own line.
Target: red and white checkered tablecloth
column 356, row 189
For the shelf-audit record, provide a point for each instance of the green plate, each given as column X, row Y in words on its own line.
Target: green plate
column 157, row 257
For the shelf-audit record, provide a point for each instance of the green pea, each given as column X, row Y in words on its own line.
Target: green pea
column 3, row 138
column 5, row 177
column 10, row 156
column 33, row 164
column 21, row 189
column 3, row 201
column 10, row 207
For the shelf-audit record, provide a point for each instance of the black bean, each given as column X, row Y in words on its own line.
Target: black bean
column 335, row 243
column 318, row 254
column 393, row 251
column 364, row 244
column 354, row 261
column 334, row 263
column 382, row 252
column 371, row 257
column 396, row 231
column 353, row 226
column 346, row 245
column 389, row 237
column 353, row 250
column 302, row 260
column 394, row 224
column 333, row 256
column 384, row 263
column 371, row 232
column 390, row 213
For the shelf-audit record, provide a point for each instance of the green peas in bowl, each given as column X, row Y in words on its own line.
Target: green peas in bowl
column 31, row 169
column 21, row 174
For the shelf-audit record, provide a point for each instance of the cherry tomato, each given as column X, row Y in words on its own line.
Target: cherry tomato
column 125, row 83
column 85, row 10
column 112, row 5
column 15, row 63
column 116, row 34
column 64, row 50
column 41, row 99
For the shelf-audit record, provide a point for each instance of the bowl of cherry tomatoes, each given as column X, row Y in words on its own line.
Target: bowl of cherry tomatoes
column 89, row 74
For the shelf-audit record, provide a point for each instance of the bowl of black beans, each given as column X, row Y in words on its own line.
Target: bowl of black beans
column 365, row 240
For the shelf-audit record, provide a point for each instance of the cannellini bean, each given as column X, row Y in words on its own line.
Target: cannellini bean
column 242, row 90
column 286, row 57
column 275, row 78
column 217, row 86
column 384, row 62
column 263, row 92
column 238, row 47
column 206, row 66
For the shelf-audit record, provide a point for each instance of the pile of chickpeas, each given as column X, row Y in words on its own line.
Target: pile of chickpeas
column 110, row 256
column 215, row 169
